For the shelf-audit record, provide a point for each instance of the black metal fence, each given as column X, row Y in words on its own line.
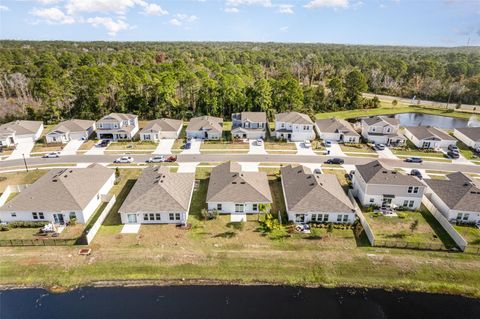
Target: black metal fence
column 41, row 242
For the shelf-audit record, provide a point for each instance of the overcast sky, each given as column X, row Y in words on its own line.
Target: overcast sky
column 390, row 22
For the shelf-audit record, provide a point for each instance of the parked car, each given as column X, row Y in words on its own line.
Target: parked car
column 414, row 160
column 124, row 160
column 51, row 155
column 317, row 171
column 259, row 142
column 453, row 154
column 452, row 147
column 171, row 158
column 104, row 143
column 416, row 173
column 307, row 144
column 335, row 161
column 328, row 143
column 380, row 147
column 156, row 159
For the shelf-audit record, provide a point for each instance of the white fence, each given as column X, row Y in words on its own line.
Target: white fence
column 363, row 220
column 9, row 190
column 457, row 238
column 98, row 223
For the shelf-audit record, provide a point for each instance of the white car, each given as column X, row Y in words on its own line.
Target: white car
column 51, row 155
column 124, row 159
column 156, row 159
column 307, row 144
column 259, row 142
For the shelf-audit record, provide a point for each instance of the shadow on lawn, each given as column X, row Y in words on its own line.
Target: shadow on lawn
column 113, row 218
column 444, row 237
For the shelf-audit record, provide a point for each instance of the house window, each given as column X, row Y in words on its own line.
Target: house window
column 373, row 129
column 239, row 208
column 299, row 218
column 405, row 203
column 389, row 129
column 282, row 125
column 306, row 127
column 465, row 216
column 317, row 217
column 145, row 216
column 372, row 200
column 345, row 218
column 339, row 218
column 98, row 196
column 411, row 204
column 157, row 216
column 410, row 189
column 459, row 216
column 325, row 217
column 174, row 216
column 152, row 216
column 147, row 137
column 14, row 214
column 35, row 215
column 41, row 216
column 255, row 207
column 72, row 215
column 219, row 206
column 415, row 190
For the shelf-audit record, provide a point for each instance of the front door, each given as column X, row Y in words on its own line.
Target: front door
column 132, row 218
column 58, row 218
column 386, row 202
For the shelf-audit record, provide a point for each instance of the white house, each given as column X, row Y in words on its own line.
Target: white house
column 336, row 130
column 315, row 197
column 251, row 125
column 60, row 195
column 457, row 197
column 162, row 128
column 16, row 132
column 236, row 192
column 382, row 130
column 376, row 185
column 469, row 136
column 159, row 197
column 294, row 126
column 205, row 127
column 66, row 131
column 428, row 137
column 117, row 126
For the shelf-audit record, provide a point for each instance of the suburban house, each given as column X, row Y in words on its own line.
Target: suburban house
column 294, row 126
column 251, row 125
column 382, row 130
column 428, row 137
column 117, row 126
column 373, row 184
column 61, row 195
column 457, row 197
column 205, row 127
column 162, row 128
column 315, row 197
column 20, row 131
column 159, row 197
column 233, row 191
column 337, row 130
column 66, row 131
column 470, row 136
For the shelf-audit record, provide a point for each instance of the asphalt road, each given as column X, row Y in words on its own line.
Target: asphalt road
column 281, row 158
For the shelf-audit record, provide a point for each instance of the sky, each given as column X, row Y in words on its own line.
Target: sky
column 385, row 22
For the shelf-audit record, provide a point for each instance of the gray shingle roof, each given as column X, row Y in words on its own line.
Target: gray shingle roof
column 428, row 132
column 20, row 127
column 72, row 126
column 257, row 117
column 61, row 190
column 472, row 133
column 205, row 122
column 228, row 183
column 162, row 125
column 159, row 189
column 375, row 173
column 307, row 192
column 335, row 126
column 381, row 120
column 458, row 192
column 293, row 117
column 118, row 117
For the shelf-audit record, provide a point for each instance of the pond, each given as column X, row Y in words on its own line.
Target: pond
column 233, row 302
column 445, row 122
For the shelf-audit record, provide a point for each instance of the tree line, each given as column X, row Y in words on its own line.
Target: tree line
column 59, row 80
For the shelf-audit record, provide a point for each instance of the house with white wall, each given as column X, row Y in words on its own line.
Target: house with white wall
column 336, row 130
column 457, row 197
column 61, row 195
column 373, row 184
column 251, row 125
column 428, row 137
column 117, row 126
column 470, row 136
column 159, row 196
column 382, row 130
column 317, row 198
column 16, row 132
column 160, row 129
column 237, row 192
column 294, row 126
column 205, row 127
column 67, row 131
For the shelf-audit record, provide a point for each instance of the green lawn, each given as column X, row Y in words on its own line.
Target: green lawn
column 361, row 148
column 466, row 151
column 18, row 178
column 471, row 234
column 138, row 145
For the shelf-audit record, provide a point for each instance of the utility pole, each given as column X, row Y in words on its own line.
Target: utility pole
column 25, row 162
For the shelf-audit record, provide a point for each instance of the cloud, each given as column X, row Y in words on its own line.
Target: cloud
column 4, row 8
column 232, row 10
column 48, row 1
column 102, row 6
column 179, row 19
column 112, row 26
column 154, row 9
column 53, row 16
column 327, row 4
column 285, row 8
column 284, row 29
column 236, row 3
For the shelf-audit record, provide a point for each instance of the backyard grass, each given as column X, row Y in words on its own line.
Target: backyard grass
column 138, row 145
column 18, row 178
column 471, row 234
column 466, row 151
column 224, row 145
column 70, row 232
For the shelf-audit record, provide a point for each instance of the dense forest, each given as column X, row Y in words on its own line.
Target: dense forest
column 58, row 80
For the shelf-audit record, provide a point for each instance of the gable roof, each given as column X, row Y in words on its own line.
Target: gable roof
column 293, row 117
column 307, row 192
column 20, row 127
column 458, row 192
column 472, row 133
column 72, row 126
column 335, row 125
column 205, row 123
column 228, row 183
column 118, row 117
column 428, row 132
column 61, row 190
column 163, row 125
column 256, row 117
column 381, row 120
column 375, row 173
column 159, row 189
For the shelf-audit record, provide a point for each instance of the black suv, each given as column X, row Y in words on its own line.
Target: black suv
column 335, row 161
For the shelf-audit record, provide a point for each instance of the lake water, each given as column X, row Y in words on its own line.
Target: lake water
column 245, row 302
column 445, row 122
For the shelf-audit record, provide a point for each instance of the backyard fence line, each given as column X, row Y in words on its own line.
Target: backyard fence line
column 407, row 245
column 98, row 223
column 38, row 242
column 457, row 238
column 9, row 190
column 363, row 220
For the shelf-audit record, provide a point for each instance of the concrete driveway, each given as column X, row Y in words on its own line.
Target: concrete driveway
column 71, row 147
column 95, row 150
column 386, row 153
column 22, row 148
column 335, row 149
column 256, row 149
column 164, row 147
column 303, row 150
column 189, row 167
column 194, row 147
column 249, row 166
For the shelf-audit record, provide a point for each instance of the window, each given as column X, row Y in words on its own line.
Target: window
column 405, row 203
column 411, row 204
column 282, row 125
column 255, row 207
column 35, row 215
column 147, row 137
column 389, row 129
column 415, row 190
column 174, row 216
column 345, row 218
column 219, row 206
column 145, row 216
column 157, row 216
column 465, row 216
column 410, row 189
column 14, row 214
column 317, row 217
column 372, row 200
column 299, row 218
column 325, row 217
column 339, row 218
column 239, row 208
column 72, row 215
column 306, row 127
column 98, row 196
column 459, row 216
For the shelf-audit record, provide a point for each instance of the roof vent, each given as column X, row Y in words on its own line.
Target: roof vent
column 309, row 176
column 312, row 184
column 394, row 172
column 54, row 180
column 384, row 172
column 234, row 182
column 299, row 171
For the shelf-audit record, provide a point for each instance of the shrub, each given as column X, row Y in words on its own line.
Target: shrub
column 4, row 228
column 401, row 215
column 72, row 222
column 209, row 215
column 27, row 224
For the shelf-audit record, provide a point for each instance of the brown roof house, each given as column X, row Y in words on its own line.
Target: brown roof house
column 428, row 137
column 159, row 197
column 469, row 136
column 294, row 126
column 60, row 195
column 336, row 130
column 382, row 130
column 315, row 197
column 205, row 127
column 233, row 191
column 251, row 125
column 162, row 128
column 117, row 126
column 66, row 131
column 16, row 132
column 373, row 184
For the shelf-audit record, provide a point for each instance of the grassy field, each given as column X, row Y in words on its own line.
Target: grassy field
column 279, row 146
column 125, row 146
column 224, row 145
column 471, row 234
column 361, row 148
column 70, row 232
column 43, row 147
column 87, row 145
column 18, row 178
